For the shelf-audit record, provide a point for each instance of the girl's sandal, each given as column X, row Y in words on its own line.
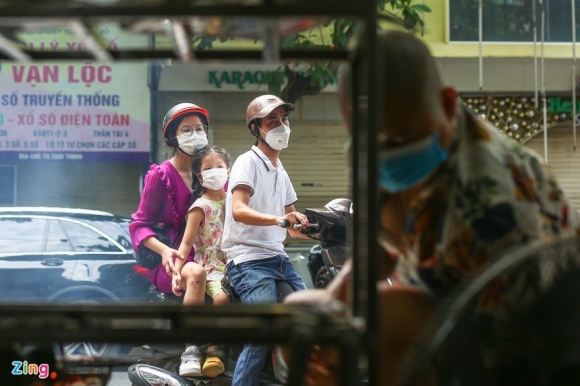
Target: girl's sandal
column 212, row 367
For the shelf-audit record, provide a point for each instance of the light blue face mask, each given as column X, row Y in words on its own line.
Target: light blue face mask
column 407, row 166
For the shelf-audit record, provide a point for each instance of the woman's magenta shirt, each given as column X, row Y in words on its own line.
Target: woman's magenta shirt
column 165, row 200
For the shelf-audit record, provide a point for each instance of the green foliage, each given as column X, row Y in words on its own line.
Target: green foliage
column 333, row 34
column 409, row 13
column 204, row 43
column 274, row 80
column 320, row 76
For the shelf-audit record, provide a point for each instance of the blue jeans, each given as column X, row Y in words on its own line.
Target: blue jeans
column 255, row 282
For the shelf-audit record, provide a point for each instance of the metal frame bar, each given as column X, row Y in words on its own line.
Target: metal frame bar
column 300, row 327
column 60, row 9
column 209, row 55
column 11, row 51
column 181, row 40
column 365, row 117
column 297, row 326
column 85, row 36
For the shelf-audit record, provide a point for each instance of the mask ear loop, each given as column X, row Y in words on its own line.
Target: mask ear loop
column 263, row 139
column 260, row 135
column 178, row 147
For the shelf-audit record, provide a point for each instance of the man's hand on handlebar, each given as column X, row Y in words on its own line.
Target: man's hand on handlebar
column 296, row 223
column 294, row 220
column 312, row 227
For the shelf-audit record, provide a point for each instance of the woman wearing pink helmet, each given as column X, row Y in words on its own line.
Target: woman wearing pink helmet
column 167, row 195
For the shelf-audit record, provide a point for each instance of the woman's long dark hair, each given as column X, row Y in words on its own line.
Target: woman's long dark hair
column 196, row 166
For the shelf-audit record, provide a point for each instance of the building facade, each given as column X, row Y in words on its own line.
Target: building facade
column 84, row 135
column 514, row 70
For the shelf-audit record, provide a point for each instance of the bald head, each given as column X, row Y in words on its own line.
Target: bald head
column 406, row 67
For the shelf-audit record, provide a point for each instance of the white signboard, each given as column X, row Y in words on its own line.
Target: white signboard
column 75, row 112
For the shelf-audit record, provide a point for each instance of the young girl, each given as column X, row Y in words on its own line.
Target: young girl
column 205, row 218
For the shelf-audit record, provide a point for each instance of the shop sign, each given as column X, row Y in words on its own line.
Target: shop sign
column 74, row 112
column 220, row 78
column 561, row 105
column 241, row 79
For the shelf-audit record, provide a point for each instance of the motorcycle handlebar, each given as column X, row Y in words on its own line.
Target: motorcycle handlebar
column 311, row 228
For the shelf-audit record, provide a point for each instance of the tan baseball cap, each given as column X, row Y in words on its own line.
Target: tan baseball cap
column 263, row 105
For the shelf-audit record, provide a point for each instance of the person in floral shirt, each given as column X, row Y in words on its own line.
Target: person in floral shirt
column 456, row 194
column 210, row 167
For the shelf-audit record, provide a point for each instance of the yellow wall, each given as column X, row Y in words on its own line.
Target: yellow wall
column 436, row 36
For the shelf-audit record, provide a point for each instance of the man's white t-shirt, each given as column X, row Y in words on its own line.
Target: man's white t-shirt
column 271, row 192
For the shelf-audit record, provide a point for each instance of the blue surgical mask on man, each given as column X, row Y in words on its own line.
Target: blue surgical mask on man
column 408, row 166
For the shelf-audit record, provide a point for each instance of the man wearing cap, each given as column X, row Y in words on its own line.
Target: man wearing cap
column 259, row 206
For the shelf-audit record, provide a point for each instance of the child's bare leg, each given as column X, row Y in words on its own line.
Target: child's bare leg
column 220, row 298
column 193, row 282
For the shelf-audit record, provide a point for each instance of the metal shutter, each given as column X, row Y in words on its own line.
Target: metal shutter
column 315, row 159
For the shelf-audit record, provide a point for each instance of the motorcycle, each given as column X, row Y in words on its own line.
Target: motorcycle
column 328, row 226
column 160, row 363
column 328, row 257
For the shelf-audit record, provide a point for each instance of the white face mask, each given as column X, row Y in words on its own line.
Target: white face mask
column 278, row 137
column 190, row 143
column 214, row 178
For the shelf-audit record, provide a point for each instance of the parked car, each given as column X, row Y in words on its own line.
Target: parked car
column 67, row 255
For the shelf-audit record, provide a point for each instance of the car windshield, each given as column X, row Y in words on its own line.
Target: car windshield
column 117, row 230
